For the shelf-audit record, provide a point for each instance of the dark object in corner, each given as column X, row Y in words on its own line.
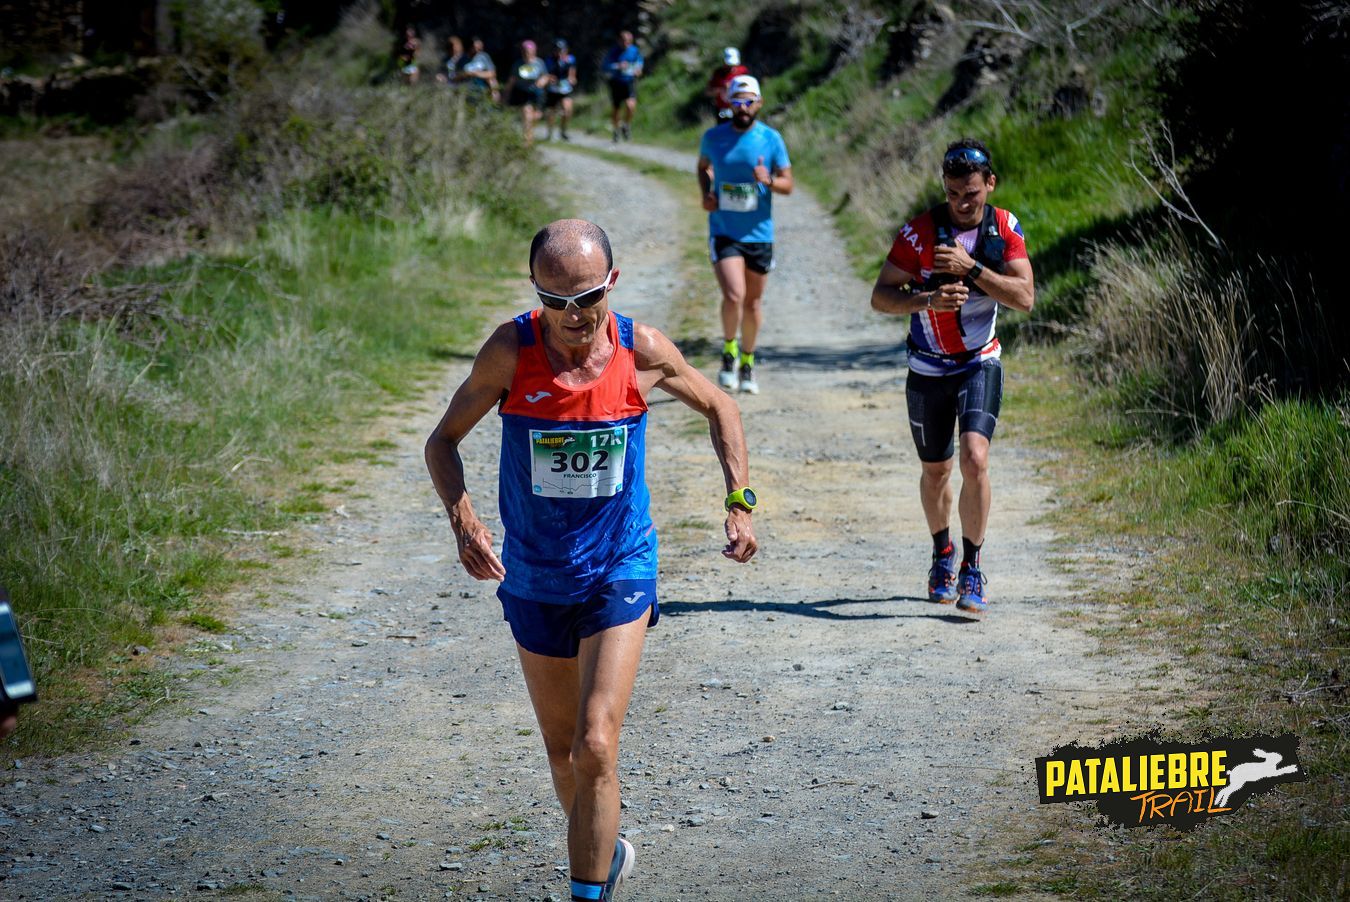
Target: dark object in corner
column 16, row 679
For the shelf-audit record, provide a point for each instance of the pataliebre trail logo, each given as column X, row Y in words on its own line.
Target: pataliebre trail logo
column 1137, row 782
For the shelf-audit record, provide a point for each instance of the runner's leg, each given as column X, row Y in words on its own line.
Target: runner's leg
column 752, row 316
column 935, row 493
column 731, row 278
column 555, row 692
column 975, row 486
column 608, row 663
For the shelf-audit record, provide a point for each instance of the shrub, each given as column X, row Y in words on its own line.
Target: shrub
column 1190, row 336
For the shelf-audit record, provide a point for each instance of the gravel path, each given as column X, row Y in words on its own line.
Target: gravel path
column 806, row 726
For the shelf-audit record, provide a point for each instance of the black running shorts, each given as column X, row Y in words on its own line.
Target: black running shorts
column 758, row 254
column 937, row 403
column 620, row 90
column 526, row 95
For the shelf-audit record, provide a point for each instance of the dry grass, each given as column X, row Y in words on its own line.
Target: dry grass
column 1181, row 340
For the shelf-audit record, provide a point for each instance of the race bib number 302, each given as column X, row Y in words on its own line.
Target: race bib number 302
column 578, row 463
column 738, row 197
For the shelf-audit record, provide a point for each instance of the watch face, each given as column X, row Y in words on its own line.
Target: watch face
column 749, row 495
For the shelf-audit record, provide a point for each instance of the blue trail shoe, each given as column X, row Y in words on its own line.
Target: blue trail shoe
column 942, row 577
column 971, row 586
column 619, row 869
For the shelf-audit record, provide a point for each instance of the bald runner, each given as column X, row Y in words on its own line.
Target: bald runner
column 578, row 561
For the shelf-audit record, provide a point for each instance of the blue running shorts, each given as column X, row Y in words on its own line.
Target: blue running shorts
column 556, row 630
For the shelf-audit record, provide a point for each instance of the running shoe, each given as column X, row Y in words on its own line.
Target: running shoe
column 627, row 131
column 619, row 869
column 971, row 583
column 942, row 577
column 727, row 378
column 616, row 136
column 748, row 383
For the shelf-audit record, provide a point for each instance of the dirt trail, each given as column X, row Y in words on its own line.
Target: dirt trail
column 796, row 721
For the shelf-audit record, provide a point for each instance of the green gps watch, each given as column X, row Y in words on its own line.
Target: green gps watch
column 744, row 497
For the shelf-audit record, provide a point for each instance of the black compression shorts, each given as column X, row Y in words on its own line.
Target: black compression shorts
column 937, row 403
column 758, row 254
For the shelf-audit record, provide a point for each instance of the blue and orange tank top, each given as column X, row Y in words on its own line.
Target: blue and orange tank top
column 573, row 491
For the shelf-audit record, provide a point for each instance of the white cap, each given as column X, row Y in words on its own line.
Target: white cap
column 731, row 56
column 743, row 84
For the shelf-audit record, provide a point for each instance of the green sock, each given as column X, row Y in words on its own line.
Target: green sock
column 748, row 359
column 730, row 347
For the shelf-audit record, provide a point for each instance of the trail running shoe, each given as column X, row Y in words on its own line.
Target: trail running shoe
column 627, row 131
column 748, row 383
column 616, row 136
column 942, row 577
column 619, row 869
column 971, row 584
column 727, row 378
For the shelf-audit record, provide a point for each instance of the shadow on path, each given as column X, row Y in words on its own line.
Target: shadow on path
column 885, row 355
column 820, row 609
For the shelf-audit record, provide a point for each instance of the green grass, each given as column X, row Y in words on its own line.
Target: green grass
column 135, row 447
column 1247, row 587
column 205, row 622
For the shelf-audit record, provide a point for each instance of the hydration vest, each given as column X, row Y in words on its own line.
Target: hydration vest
column 989, row 244
column 989, row 250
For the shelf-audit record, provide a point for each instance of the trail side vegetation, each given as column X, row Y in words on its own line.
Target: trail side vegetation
column 1185, row 361
column 196, row 314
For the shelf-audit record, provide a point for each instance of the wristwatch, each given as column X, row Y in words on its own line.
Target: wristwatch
column 975, row 271
column 744, row 497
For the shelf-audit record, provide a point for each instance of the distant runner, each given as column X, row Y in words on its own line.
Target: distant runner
column 742, row 164
column 968, row 257
column 479, row 73
column 407, row 50
column 526, row 86
column 578, row 566
column 716, row 88
column 562, row 81
column 622, row 66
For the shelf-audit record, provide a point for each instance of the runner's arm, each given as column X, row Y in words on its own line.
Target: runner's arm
column 661, row 365
column 1015, row 288
column 889, row 294
column 490, row 378
column 781, row 181
column 705, row 183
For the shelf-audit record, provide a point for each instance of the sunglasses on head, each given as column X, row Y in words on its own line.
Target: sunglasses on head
column 971, row 155
column 588, row 298
column 743, row 104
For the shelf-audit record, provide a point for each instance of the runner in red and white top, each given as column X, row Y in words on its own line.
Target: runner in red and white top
column 949, row 271
column 944, row 342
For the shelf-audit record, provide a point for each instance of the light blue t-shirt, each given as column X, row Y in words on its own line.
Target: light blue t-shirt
column 744, row 207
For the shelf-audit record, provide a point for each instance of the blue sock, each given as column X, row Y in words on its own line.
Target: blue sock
column 586, row 891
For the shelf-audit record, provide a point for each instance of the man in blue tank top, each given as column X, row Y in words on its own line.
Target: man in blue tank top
column 742, row 164
column 578, row 560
